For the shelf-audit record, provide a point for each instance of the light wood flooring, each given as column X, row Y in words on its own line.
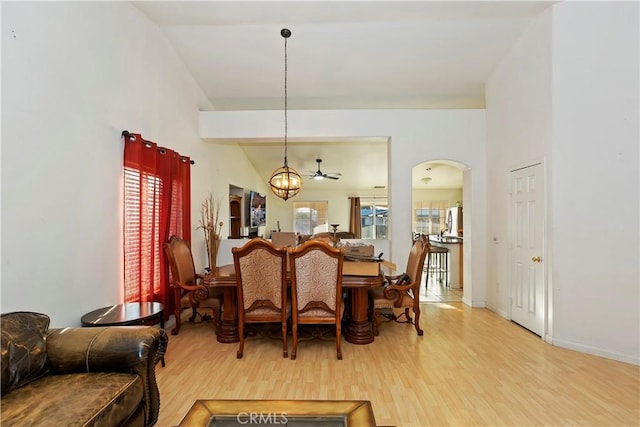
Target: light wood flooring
column 471, row 368
column 437, row 292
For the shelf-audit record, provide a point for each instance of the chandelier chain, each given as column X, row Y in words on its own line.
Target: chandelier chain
column 286, row 124
column 285, row 182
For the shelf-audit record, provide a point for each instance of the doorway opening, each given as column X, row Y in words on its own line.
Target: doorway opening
column 438, row 212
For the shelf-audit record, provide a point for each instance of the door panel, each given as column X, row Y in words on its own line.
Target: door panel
column 526, row 257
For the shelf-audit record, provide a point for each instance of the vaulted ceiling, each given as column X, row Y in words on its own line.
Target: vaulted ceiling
column 341, row 55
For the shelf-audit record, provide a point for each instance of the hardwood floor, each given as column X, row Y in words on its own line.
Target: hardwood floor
column 471, row 368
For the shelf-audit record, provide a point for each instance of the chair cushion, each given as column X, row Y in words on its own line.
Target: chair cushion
column 88, row 399
column 185, row 300
column 24, row 353
column 212, row 302
column 315, row 313
column 407, row 300
column 259, row 314
column 379, row 301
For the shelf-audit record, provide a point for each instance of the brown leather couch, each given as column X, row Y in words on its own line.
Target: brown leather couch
column 102, row 376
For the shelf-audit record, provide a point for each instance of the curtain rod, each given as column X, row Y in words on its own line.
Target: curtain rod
column 129, row 135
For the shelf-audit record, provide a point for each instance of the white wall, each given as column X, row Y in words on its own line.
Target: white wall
column 218, row 172
column 567, row 94
column 74, row 75
column 595, row 188
column 416, row 136
column 450, row 195
column 518, row 95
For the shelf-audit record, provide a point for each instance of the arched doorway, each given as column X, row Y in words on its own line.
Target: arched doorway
column 438, row 211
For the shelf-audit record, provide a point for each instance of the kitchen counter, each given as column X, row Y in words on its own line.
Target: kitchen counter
column 454, row 245
column 446, row 239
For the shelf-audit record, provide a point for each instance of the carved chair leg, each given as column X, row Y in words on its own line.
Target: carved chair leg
column 294, row 350
column 176, row 329
column 406, row 315
column 338, row 341
column 241, row 348
column 194, row 313
column 285, row 353
column 417, row 322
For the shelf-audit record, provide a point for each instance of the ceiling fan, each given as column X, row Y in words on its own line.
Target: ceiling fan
column 320, row 175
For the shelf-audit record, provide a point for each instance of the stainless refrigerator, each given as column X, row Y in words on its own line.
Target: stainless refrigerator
column 454, row 222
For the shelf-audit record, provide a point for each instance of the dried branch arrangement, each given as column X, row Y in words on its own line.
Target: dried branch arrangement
column 212, row 226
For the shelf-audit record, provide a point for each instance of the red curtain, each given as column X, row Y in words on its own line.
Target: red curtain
column 157, row 204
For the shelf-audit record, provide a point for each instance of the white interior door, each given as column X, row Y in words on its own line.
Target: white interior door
column 526, row 255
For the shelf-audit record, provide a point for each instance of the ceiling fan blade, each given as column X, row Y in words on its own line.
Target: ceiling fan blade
column 319, row 175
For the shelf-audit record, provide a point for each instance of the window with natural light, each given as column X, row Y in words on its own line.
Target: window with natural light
column 309, row 215
column 141, row 221
column 429, row 217
column 375, row 218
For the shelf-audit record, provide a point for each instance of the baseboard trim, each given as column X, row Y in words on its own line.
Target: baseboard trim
column 474, row 304
column 595, row 351
column 498, row 311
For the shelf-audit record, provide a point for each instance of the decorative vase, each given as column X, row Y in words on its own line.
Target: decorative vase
column 214, row 246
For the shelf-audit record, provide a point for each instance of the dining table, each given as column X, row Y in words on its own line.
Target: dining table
column 357, row 329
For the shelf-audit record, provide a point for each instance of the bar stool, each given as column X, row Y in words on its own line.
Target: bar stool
column 438, row 264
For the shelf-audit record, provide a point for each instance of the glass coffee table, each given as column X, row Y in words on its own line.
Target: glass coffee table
column 301, row 413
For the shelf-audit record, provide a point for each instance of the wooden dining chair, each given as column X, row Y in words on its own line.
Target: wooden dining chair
column 189, row 291
column 401, row 291
column 316, row 288
column 261, row 286
column 325, row 237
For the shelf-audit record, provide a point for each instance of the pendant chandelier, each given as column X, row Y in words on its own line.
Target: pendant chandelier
column 285, row 182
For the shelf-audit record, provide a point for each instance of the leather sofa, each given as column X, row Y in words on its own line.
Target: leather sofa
column 99, row 376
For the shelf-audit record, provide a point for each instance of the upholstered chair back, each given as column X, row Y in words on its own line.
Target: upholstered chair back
column 261, row 280
column 181, row 261
column 317, row 284
column 415, row 264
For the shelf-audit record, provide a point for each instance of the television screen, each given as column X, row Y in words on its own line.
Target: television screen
column 258, row 209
